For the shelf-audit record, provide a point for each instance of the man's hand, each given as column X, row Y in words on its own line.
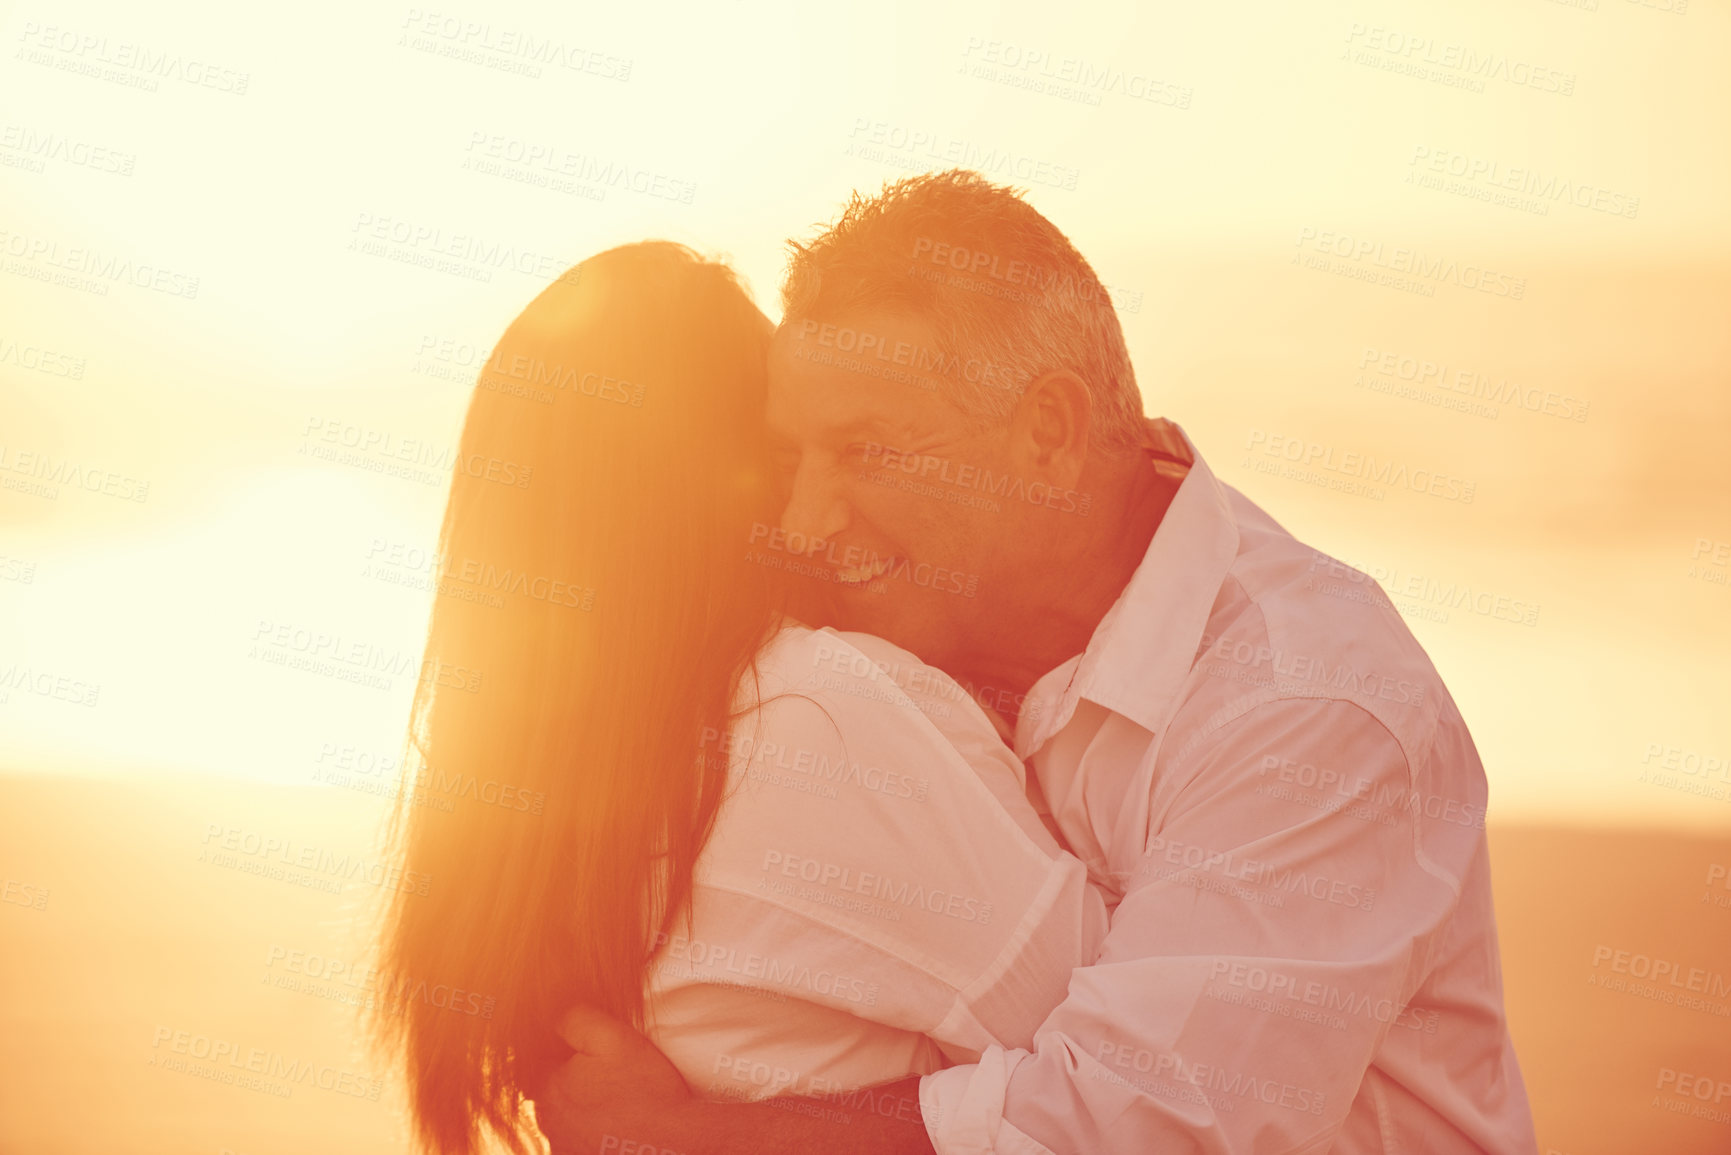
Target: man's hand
column 619, row 1094
column 616, row 1087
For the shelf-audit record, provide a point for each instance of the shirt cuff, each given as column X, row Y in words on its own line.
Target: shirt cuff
column 963, row 1108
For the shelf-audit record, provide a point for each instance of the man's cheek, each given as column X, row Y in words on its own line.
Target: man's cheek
column 920, row 530
column 869, row 491
column 897, row 516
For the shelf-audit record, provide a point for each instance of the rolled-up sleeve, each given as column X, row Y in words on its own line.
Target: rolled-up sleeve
column 1269, row 938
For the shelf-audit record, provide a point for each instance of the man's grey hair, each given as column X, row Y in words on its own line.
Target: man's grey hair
column 1007, row 296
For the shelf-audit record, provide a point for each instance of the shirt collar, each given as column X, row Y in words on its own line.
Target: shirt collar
column 1142, row 650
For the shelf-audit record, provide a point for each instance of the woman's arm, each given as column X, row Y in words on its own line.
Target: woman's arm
column 864, row 866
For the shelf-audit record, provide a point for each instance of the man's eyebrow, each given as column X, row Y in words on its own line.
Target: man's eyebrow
column 872, row 428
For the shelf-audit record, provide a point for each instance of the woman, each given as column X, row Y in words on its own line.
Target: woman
column 797, row 858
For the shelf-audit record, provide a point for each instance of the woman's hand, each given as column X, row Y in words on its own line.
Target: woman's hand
column 617, row 1093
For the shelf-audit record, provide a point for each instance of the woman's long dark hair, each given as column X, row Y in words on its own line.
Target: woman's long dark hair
column 595, row 613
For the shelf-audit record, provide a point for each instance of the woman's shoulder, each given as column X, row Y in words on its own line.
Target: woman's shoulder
column 805, row 678
column 821, row 689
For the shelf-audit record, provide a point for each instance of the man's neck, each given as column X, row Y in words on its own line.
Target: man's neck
column 1085, row 574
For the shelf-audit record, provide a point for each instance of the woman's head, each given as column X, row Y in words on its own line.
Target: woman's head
column 595, row 609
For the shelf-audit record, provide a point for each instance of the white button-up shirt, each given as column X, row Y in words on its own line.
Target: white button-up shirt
column 1260, row 766
column 878, row 896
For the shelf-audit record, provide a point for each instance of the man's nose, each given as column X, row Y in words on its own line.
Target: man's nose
column 816, row 506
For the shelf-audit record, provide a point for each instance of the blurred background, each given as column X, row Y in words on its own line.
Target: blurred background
column 251, row 262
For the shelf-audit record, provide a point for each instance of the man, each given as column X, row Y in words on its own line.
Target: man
column 1269, row 779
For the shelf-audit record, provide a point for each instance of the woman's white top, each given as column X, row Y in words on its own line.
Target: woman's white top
column 878, row 899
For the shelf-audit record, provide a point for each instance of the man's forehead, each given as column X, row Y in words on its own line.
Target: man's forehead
column 826, row 402
column 874, row 332
column 856, row 368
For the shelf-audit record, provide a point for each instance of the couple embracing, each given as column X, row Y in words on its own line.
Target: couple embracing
column 946, row 759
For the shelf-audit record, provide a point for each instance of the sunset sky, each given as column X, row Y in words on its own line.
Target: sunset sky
column 1231, row 172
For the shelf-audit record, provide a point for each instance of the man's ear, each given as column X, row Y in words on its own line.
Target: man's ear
column 1051, row 423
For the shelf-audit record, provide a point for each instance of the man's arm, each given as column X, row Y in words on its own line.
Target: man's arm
column 619, row 1094
column 1263, row 950
column 1269, row 939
